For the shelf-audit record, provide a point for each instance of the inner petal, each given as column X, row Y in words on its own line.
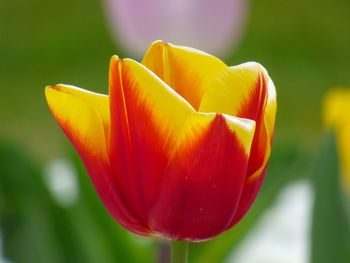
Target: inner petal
column 188, row 71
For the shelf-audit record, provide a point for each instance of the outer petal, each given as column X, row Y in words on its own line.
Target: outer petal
column 82, row 116
column 255, row 180
column 146, row 119
column 247, row 91
column 99, row 102
column 188, row 71
column 204, row 179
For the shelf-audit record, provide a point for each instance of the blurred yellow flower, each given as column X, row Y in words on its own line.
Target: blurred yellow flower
column 337, row 116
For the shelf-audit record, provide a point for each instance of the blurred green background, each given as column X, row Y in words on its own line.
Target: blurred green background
column 304, row 44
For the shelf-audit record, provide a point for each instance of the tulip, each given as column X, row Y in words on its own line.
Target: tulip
column 337, row 117
column 180, row 146
column 213, row 26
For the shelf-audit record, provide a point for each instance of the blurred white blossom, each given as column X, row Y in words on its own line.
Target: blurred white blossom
column 62, row 182
column 282, row 235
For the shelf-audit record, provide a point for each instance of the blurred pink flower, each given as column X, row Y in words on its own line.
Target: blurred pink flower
column 214, row 26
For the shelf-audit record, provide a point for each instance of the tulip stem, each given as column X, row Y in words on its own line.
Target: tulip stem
column 179, row 251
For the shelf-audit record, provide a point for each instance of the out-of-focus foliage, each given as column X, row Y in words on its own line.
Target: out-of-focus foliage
column 26, row 208
column 36, row 229
column 330, row 225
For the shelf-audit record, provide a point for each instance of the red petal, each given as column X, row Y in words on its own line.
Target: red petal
column 145, row 118
column 84, row 126
column 251, row 189
column 203, row 184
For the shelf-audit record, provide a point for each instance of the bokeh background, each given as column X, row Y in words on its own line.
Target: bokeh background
column 304, row 44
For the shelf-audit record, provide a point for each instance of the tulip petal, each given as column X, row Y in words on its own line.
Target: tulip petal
column 82, row 116
column 247, row 91
column 204, row 179
column 99, row 102
column 75, row 111
column 232, row 91
column 147, row 117
column 265, row 130
column 188, row 71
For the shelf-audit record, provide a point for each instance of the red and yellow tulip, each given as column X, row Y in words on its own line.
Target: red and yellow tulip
column 180, row 146
column 337, row 116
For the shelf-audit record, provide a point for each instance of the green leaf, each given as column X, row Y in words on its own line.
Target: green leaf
column 25, row 205
column 330, row 227
column 35, row 229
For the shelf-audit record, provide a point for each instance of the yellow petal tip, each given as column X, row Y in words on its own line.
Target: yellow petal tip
column 159, row 42
column 48, row 90
column 49, row 87
column 114, row 60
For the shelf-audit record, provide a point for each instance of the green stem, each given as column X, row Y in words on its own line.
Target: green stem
column 179, row 251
